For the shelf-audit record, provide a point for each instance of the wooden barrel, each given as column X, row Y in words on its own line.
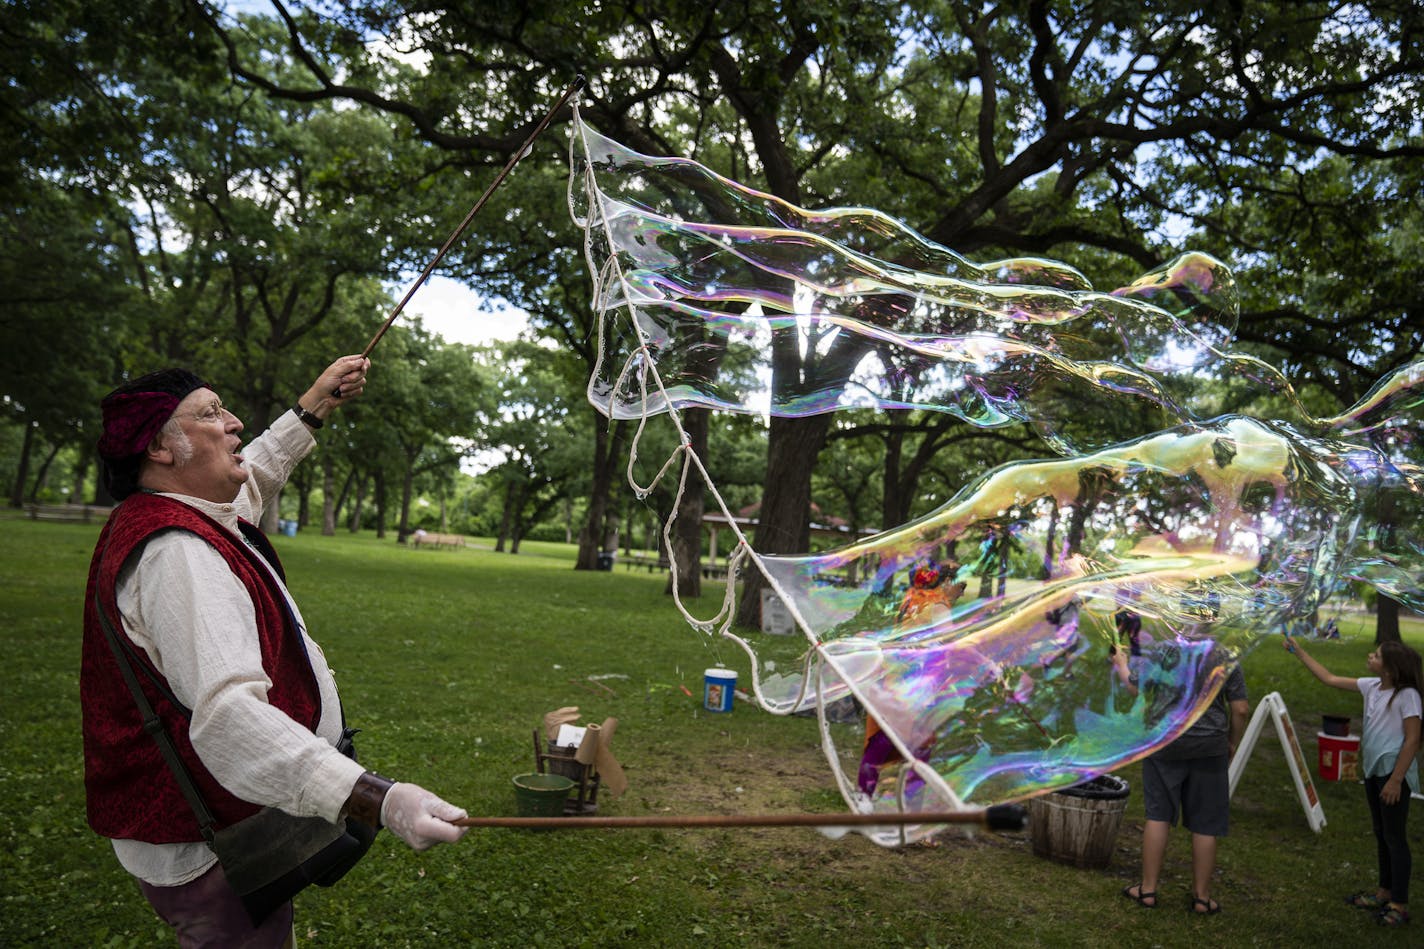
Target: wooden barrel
column 1079, row 825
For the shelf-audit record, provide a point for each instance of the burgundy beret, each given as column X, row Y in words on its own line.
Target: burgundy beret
column 134, row 412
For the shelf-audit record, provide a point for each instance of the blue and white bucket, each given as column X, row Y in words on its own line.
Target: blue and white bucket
column 717, row 688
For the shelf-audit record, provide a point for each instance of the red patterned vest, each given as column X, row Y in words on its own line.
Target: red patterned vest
column 131, row 792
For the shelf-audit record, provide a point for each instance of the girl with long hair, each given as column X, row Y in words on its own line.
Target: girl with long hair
column 1387, row 751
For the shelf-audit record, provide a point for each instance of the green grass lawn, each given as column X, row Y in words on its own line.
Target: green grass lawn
column 448, row 659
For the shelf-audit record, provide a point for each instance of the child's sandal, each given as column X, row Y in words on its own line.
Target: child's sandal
column 1366, row 900
column 1392, row 916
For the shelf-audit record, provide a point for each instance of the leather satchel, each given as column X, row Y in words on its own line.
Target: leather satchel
column 272, row 856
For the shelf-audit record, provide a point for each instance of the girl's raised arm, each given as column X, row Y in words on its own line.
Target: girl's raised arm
column 1319, row 671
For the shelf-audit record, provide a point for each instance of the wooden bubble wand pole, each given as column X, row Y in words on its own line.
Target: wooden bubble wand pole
column 997, row 817
column 574, row 87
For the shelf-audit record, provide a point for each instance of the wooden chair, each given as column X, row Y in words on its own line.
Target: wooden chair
column 559, row 759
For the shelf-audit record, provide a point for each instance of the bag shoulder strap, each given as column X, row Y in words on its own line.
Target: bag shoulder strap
column 153, row 725
column 259, row 542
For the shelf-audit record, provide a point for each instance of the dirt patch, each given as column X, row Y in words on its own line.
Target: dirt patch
column 796, row 781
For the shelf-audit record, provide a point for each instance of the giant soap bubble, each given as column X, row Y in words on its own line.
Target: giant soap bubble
column 1057, row 618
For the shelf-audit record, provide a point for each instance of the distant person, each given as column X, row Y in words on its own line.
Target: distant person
column 1066, row 638
column 1189, row 778
column 1129, row 630
column 929, row 600
column 198, row 603
column 931, row 596
column 1126, row 643
column 1387, row 751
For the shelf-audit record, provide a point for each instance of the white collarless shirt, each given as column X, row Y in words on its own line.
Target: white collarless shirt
column 183, row 605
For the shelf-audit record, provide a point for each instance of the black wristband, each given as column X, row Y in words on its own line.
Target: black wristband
column 307, row 417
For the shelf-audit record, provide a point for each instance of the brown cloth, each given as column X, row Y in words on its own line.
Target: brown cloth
column 596, row 749
column 560, row 716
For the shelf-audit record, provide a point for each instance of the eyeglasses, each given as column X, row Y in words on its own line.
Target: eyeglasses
column 214, row 413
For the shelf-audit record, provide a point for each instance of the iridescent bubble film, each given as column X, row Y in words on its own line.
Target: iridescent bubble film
column 1055, row 619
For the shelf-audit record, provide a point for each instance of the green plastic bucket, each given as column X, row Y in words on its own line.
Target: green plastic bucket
column 541, row 795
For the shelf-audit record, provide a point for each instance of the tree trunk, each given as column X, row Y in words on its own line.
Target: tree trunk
column 407, row 491
column 783, row 524
column 893, row 504
column 1048, row 545
column 506, row 518
column 345, row 493
column 102, row 496
column 328, row 496
column 1090, row 485
column 1005, row 550
column 586, row 542
column 686, row 551
column 380, row 491
column 22, row 472
column 43, row 473
column 1386, row 620
column 358, row 504
column 909, row 472
column 303, row 485
column 81, row 473
column 1387, row 607
column 607, row 447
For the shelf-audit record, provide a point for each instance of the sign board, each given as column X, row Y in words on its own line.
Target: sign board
column 1273, row 707
column 775, row 617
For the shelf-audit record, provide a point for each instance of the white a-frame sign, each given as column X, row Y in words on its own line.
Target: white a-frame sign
column 1274, row 708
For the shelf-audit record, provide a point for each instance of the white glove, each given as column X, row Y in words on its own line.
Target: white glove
column 420, row 818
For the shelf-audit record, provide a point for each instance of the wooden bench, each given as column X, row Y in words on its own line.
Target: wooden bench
column 709, row 571
column 73, row 513
column 643, row 560
column 427, row 539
